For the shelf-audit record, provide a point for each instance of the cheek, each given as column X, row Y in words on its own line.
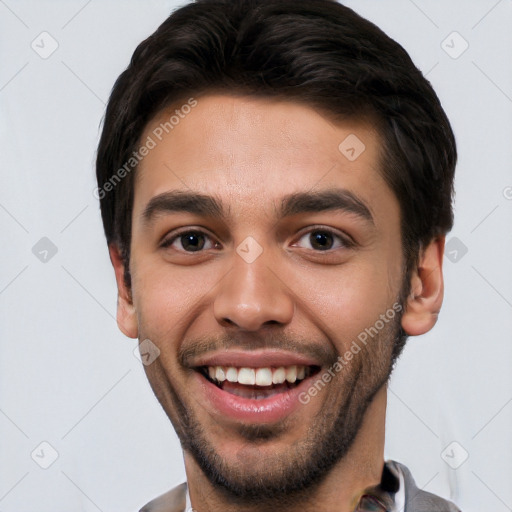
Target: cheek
column 346, row 300
column 164, row 297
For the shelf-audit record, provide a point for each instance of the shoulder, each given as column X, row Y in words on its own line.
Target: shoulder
column 172, row 501
column 417, row 500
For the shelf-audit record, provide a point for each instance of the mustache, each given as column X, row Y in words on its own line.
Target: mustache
column 322, row 351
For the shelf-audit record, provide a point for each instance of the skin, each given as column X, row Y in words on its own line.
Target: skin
column 249, row 153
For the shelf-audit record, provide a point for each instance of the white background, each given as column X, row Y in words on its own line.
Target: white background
column 69, row 377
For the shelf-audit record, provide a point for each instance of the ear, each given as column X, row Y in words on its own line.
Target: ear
column 427, row 290
column 126, row 315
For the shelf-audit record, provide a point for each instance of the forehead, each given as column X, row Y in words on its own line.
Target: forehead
column 250, row 151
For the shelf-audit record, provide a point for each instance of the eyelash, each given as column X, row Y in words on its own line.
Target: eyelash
column 169, row 241
column 346, row 241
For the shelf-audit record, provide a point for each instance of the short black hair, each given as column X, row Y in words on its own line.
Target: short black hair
column 317, row 52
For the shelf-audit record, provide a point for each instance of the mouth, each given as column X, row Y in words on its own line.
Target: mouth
column 257, row 383
column 253, row 387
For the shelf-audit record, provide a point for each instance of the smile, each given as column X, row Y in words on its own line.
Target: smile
column 262, row 394
column 257, row 383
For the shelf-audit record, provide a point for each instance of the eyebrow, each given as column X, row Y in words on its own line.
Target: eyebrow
column 292, row 204
column 180, row 201
column 325, row 200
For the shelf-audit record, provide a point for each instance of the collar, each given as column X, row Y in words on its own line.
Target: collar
column 388, row 496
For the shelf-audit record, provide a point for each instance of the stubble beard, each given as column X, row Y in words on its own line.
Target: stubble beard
column 285, row 478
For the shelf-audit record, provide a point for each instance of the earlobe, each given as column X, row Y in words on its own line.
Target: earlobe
column 126, row 314
column 427, row 290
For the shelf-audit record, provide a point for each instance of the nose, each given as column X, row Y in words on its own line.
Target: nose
column 251, row 295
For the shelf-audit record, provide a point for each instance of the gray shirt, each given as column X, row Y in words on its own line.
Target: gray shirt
column 397, row 492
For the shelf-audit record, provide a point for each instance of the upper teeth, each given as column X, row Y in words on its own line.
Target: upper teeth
column 257, row 376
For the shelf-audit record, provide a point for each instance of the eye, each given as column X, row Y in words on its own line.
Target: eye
column 190, row 241
column 322, row 239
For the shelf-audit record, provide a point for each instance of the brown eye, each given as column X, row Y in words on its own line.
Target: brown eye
column 189, row 241
column 322, row 240
column 192, row 241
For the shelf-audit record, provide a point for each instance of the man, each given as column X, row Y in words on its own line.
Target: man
column 276, row 181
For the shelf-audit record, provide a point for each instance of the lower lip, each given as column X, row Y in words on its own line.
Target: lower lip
column 263, row 410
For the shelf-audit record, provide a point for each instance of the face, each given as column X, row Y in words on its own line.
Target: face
column 260, row 255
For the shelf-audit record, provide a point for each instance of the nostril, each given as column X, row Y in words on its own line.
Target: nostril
column 226, row 322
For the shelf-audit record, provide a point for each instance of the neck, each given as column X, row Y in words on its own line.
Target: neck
column 339, row 491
